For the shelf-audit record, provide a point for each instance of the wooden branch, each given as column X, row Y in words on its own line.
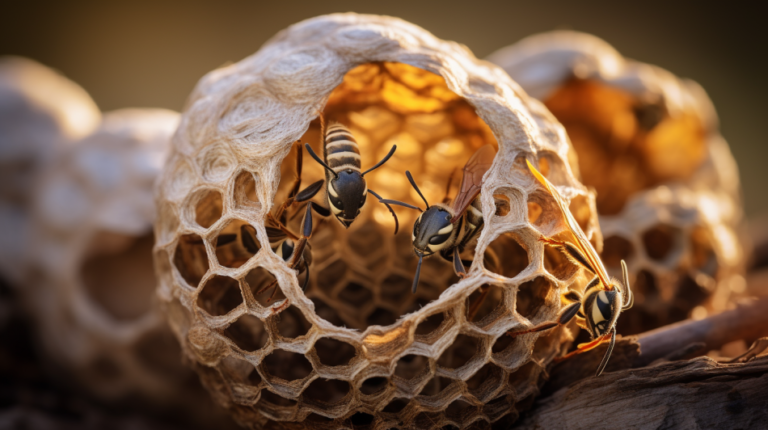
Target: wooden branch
column 699, row 393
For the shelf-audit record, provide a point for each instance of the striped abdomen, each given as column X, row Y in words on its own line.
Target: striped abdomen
column 340, row 149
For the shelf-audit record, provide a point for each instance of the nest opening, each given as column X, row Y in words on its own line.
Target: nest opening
column 505, row 256
column 626, row 144
column 660, row 240
column 220, row 295
column 247, row 333
column 119, row 276
column 286, row 365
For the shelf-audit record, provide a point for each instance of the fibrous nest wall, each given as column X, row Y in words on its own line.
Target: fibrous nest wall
column 667, row 186
column 41, row 112
column 90, row 290
column 357, row 349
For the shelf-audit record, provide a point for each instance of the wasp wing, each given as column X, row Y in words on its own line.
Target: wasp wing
column 581, row 239
column 472, row 180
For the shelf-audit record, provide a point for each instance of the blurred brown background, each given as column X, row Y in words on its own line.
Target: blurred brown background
column 136, row 53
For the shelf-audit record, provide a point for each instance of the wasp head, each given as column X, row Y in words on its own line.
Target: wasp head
column 433, row 230
column 346, row 195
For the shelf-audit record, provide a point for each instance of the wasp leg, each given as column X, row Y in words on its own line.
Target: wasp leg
column 306, row 233
column 604, row 361
column 280, row 308
column 306, row 279
column 476, row 306
column 458, row 266
column 570, row 251
column 565, row 316
column 584, row 347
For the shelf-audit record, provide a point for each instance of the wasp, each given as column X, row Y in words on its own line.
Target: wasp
column 346, row 187
column 447, row 229
column 294, row 249
column 604, row 298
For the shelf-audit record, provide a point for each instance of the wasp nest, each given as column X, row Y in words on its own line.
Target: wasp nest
column 93, row 284
column 358, row 349
column 40, row 111
column 667, row 186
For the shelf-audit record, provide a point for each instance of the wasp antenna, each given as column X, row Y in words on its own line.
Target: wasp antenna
column 415, row 187
column 383, row 160
column 397, row 223
column 418, row 272
column 625, row 277
column 322, row 163
column 607, row 354
column 399, row 203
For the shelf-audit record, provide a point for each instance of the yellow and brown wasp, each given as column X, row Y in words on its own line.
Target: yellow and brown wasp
column 604, row 298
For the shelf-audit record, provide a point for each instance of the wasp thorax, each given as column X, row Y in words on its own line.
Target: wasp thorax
column 346, row 195
column 433, row 230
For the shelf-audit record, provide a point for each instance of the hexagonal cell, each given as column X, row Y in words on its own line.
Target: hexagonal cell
column 245, row 191
column 365, row 240
column 395, row 405
column 121, row 280
column 232, row 249
column 460, row 352
column 247, row 333
column 330, row 276
column 264, row 287
column 523, row 375
column 459, row 411
column 531, row 296
column 433, row 327
column 501, row 413
column 581, row 211
column 291, row 323
column 276, row 400
column 190, row 259
column 220, row 295
column 502, row 344
column 286, row 365
column 484, row 383
column 208, row 207
column 394, row 289
column 410, row 366
column 534, row 212
column 659, row 240
column 506, row 256
column 373, row 386
column 486, row 305
column 558, row 264
column 501, row 202
column 239, row 371
column 333, row 352
column 703, row 255
column 435, row 386
column 356, row 295
column 425, row 420
column 325, row 392
column 381, row 317
column 615, row 249
column 327, row 313
column 360, row 420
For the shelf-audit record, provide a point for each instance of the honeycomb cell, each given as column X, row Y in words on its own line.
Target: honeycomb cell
column 324, row 392
column 263, row 286
column 485, row 305
column 459, row 411
column 460, row 352
column 247, row 333
column 220, row 295
column 615, row 249
column 232, row 248
column 534, row 212
column 395, row 289
column 121, row 281
column 365, row 241
column 360, row 419
column 276, row 400
column 396, row 405
column 532, row 296
column 502, row 344
column 505, row 256
column 374, row 386
column 333, row 352
column 412, row 366
column 356, row 295
column 659, row 241
column 286, row 365
column 435, row 386
column 381, row 317
column 331, row 275
column 208, row 207
column 486, row 381
column 190, row 259
column 291, row 323
column 245, row 192
column 501, row 202
column 430, row 325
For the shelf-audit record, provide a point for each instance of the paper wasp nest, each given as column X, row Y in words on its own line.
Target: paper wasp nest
column 358, row 349
column 93, row 284
column 41, row 112
column 667, row 186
